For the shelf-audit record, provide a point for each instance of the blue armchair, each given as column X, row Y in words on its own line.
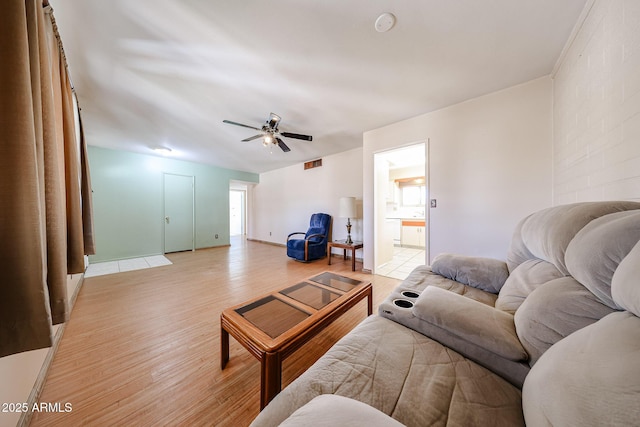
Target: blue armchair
column 314, row 243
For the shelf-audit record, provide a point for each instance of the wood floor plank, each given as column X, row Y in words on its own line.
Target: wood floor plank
column 143, row 347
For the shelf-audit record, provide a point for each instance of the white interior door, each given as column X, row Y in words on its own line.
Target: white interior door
column 383, row 251
column 178, row 213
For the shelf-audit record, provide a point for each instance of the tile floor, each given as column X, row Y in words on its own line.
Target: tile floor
column 403, row 262
column 110, row 267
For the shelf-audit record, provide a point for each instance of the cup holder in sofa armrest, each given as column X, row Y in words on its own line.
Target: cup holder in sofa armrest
column 402, row 303
column 410, row 294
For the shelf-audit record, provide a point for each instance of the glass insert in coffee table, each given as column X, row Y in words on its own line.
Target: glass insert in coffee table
column 308, row 294
column 272, row 315
column 333, row 280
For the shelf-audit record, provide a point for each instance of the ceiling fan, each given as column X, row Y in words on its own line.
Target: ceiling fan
column 270, row 133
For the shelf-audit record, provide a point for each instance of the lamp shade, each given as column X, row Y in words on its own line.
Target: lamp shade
column 347, row 207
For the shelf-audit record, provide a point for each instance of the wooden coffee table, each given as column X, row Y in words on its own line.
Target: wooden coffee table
column 273, row 326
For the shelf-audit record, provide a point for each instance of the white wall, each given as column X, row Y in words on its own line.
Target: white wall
column 490, row 165
column 597, row 107
column 285, row 198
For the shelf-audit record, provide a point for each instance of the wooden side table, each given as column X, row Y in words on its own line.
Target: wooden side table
column 343, row 245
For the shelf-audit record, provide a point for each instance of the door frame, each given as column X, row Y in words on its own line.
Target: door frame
column 164, row 213
column 378, row 218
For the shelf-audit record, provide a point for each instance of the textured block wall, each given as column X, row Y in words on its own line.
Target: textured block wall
column 597, row 107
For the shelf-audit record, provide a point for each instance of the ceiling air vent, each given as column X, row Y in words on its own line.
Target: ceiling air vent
column 313, row 164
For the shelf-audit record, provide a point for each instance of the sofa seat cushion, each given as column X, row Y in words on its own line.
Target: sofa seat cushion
column 589, row 378
column 330, row 410
column 404, row 374
column 423, row 276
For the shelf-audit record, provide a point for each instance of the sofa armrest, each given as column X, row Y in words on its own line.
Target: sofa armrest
column 483, row 273
column 333, row 410
column 468, row 321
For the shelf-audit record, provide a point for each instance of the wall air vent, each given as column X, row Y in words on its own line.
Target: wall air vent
column 313, row 164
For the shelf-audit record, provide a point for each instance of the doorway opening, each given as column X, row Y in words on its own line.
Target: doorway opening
column 401, row 213
column 238, row 209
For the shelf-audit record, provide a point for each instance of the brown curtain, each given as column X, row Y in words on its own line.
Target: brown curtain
column 42, row 174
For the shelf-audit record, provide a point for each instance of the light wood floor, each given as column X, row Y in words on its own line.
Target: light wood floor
column 143, row 347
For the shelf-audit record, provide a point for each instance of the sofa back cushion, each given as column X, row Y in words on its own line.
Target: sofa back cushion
column 553, row 311
column 590, row 378
column 599, row 363
column 546, row 234
column 522, row 281
column 625, row 284
column 596, row 251
column 518, row 252
column 551, row 305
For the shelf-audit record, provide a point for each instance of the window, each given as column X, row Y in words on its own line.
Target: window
column 413, row 195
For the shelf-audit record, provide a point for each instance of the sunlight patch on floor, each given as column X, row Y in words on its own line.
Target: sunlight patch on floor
column 110, row 267
column 403, row 262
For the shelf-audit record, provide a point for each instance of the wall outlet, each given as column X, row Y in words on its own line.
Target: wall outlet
column 434, row 203
column 216, row 236
column 269, row 233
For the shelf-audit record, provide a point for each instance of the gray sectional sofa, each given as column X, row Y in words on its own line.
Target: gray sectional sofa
column 551, row 336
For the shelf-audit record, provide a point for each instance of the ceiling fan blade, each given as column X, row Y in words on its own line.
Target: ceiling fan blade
column 297, row 136
column 251, row 138
column 282, row 145
column 240, row 124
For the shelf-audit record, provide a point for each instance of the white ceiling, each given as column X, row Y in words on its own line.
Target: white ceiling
column 154, row 73
column 413, row 155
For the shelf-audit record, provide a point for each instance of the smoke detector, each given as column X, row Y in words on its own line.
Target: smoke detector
column 385, row 22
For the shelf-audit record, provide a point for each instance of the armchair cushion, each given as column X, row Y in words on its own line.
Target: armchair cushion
column 316, row 235
column 482, row 273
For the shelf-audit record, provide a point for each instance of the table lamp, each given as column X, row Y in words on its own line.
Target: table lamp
column 348, row 210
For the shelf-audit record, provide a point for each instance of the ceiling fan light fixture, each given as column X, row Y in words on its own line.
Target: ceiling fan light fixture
column 164, row 151
column 269, row 133
column 274, row 119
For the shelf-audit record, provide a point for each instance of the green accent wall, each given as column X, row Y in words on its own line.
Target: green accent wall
column 128, row 202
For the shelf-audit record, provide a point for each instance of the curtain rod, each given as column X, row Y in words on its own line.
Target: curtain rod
column 45, row 4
